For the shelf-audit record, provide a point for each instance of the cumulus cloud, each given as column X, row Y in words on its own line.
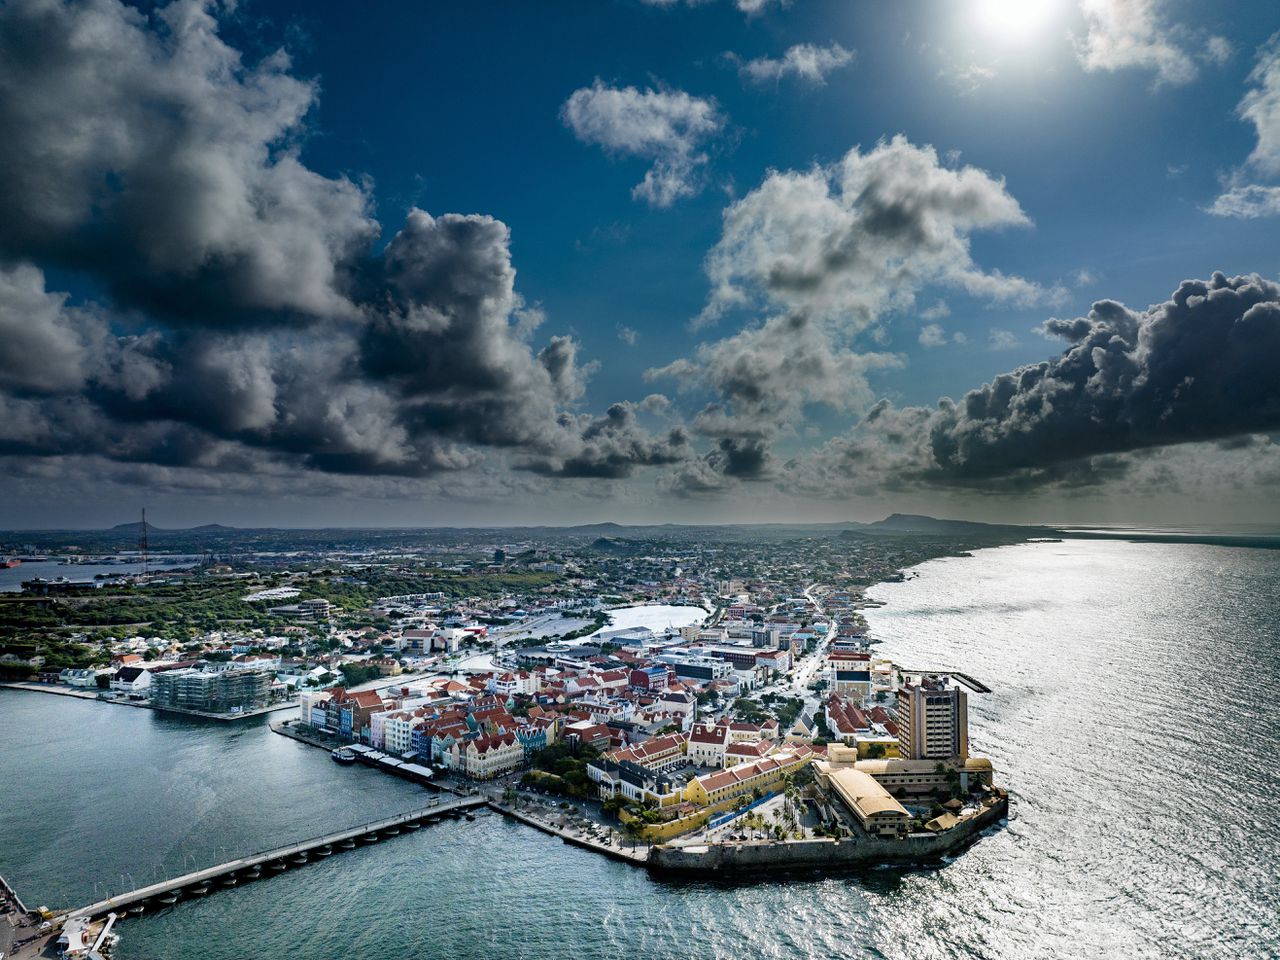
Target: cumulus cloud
column 1197, row 368
column 1243, row 197
column 805, row 61
column 249, row 322
column 999, row 339
column 1124, row 34
column 1248, row 202
column 826, row 254
column 932, row 335
column 669, row 128
column 862, row 237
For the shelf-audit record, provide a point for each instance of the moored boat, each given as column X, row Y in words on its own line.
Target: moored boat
column 342, row 755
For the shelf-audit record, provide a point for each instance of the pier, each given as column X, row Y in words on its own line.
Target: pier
column 198, row 883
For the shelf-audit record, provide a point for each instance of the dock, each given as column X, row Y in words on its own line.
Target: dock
column 198, row 883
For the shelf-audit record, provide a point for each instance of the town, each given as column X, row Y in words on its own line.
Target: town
column 646, row 696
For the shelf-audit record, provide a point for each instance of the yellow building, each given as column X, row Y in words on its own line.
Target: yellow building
column 924, row 776
column 861, row 795
column 745, row 778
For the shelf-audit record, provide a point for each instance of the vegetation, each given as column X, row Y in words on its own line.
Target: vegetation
column 357, row 673
column 558, row 770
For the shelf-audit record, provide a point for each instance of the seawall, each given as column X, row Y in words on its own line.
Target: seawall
column 823, row 854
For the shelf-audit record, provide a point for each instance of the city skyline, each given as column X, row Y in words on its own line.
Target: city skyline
column 728, row 261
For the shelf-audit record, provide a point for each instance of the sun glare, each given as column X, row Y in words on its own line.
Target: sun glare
column 1015, row 21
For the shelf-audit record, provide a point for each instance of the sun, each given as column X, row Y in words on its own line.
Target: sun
column 1015, row 21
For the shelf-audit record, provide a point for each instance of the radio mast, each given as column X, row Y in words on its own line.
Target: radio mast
column 142, row 542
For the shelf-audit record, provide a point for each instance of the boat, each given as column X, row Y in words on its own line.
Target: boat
column 300, row 859
column 278, row 865
column 342, row 755
column 413, row 825
column 10, row 562
column 135, row 910
column 348, row 844
column 199, row 891
column 323, row 851
column 169, row 900
column 253, row 873
column 228, row 881
column 391, row 832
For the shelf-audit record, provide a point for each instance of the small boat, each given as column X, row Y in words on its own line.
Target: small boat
column 135, row 910
column 471, row 816
column 169, row 900
column 228, row 881
column 300, row 859
column 199, row 891
column 323, row 851
column 348, row 844
column 391, row 832
column 342, row 755
column 253, row 873
column 414, row 825
column 278, row 865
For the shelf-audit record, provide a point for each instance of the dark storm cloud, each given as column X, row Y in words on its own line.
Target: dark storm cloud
column 250, row 316
column 145, row 151
column 1200, row 367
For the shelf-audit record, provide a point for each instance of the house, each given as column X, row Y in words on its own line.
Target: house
column 486, row 757
column 707, row 745
column 586, row 732
column 804, row 727
column 845, row 719
column 636, row 783
column 746, row 751
column 650, row 678
column 657, row 753
column 131, row 680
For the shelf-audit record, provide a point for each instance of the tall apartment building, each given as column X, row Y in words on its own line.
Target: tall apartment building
column 209, row 691
column 933, row 719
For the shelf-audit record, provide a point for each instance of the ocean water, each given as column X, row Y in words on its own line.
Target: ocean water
column 11, row 578
column 1135, row 711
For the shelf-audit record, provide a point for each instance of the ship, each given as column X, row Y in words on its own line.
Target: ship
column 8, row 563
column 342, row 755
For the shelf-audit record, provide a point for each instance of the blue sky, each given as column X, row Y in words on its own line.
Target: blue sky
column 1112, row 127
column 454, row 107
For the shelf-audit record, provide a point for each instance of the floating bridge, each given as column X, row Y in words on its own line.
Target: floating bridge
column 199, row 883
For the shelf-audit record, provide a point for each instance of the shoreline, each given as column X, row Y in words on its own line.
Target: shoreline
column 93, row 697
column 739, row 857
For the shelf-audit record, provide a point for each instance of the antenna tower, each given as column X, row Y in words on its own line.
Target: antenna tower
column 142, row 542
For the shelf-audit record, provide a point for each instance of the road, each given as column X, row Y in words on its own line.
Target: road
column 808, row 667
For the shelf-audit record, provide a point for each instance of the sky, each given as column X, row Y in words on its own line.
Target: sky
column 639, row 260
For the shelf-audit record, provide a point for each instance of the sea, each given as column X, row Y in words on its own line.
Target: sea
column 1134, row 714
column 11, row 578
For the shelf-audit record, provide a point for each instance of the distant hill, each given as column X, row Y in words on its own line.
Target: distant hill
column 135, row 528
column 907, row 523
